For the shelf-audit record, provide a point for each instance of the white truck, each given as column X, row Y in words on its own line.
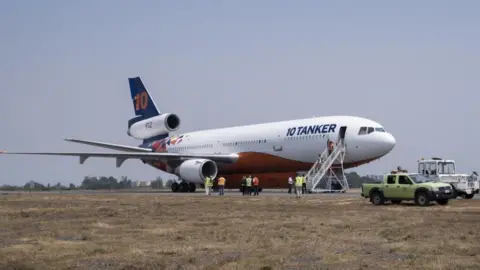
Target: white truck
column 443, row 170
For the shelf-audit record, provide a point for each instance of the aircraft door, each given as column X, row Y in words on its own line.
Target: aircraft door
column 277, row 145
column 341, row 136
column 342, row 132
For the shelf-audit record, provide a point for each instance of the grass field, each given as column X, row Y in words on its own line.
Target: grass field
column 134, row 231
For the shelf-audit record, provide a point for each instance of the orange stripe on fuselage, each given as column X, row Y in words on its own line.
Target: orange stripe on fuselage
column 257, row 163
column 254, row 162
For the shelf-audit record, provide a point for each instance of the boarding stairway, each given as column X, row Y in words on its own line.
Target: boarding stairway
column 323, row 168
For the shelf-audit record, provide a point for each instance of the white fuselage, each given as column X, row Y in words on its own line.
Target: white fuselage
column 270, row 148
column 300, row 144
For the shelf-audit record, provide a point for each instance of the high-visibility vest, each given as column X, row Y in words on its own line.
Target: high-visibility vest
column 221, row 181
column 249, row 182
column 207, row 181
column 304, row 180
column 255, row 181
column 298, row 181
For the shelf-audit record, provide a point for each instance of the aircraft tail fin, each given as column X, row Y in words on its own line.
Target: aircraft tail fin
column 143, row 104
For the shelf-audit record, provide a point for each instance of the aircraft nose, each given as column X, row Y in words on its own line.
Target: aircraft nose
column 389, row 142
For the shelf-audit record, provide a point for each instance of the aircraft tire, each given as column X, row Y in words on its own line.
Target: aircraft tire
column 191, row 187
column 469, row 196
column 175, row 187
column 184, row 186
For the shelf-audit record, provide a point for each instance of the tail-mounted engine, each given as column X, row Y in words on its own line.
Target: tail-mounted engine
column 154, row 126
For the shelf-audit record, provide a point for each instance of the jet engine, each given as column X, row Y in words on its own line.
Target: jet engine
column 195, row 170
column 157, row 125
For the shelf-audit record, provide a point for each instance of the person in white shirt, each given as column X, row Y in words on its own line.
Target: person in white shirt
column 290, row 185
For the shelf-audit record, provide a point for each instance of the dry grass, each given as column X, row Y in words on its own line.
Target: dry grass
column 53, row 231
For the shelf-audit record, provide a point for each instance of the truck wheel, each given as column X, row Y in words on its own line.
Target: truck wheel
column 422, row 199
column 442, row 201
column 377, row 198
column 396, row 201
column 469, row 196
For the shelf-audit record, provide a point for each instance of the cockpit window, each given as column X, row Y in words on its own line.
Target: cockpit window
column 368, row 130
column 362, row 131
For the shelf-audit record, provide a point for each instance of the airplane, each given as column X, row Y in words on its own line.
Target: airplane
column 269, row 148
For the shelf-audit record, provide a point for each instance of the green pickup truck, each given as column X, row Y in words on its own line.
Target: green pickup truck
column 398, row 187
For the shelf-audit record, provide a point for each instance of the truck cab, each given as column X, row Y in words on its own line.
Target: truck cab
column 444, row 170
column 399, row 186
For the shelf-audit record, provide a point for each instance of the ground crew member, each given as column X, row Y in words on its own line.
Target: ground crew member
column 208, row 182
column 211, row 183
column 304, row 184
column 221, row 185
column 290, row 185
column 244, row 185
column 298, row 185
column 330, row 146
column 249, row 185
column 255, row 186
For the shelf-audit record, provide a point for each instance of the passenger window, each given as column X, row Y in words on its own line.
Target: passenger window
column 391, row 179
column 362, row 131
column 370, row 130
column 403, row 180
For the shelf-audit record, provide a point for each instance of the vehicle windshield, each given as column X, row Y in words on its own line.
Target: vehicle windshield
column 446, row 168
column 418, row 178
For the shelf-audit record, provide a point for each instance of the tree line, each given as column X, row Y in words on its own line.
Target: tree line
column 355, row 180
column 91, row 183
column 104, row 182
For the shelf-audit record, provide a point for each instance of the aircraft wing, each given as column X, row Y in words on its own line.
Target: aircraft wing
column 122, row 156
column 112, row 146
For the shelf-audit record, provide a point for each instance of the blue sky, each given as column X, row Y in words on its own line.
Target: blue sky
column 411, row 65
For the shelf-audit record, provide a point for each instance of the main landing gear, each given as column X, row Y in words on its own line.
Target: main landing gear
column 183, row 186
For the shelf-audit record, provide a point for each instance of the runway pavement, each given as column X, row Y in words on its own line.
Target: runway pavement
column 199, row 192
column 162, row 192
